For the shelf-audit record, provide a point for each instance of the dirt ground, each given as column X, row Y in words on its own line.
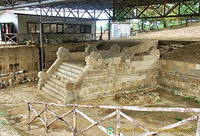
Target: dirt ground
column 5, row 128
column 11, row 102
column 190, row 33
column 188, row 53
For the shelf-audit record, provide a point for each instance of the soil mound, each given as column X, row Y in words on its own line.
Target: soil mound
column 189, row 53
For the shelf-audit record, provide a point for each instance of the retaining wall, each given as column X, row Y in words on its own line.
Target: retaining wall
column 182, row 78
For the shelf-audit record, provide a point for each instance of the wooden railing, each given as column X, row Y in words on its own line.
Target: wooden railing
column 13, row 38
column 117, row 113
column 9, row 38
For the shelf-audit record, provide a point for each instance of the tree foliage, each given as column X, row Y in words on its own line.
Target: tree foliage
column 156, row 23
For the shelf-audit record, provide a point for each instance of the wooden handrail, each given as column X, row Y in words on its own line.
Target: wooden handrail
column 118, row 113
column 130, row 108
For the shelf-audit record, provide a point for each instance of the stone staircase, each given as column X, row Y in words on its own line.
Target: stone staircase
column 55, row 85
column 72, row 79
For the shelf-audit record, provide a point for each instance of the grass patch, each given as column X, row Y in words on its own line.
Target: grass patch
column 158, row 100
column 188, row 98
column 3, row 122
column 173, row 92
column 179, row 119
column 1, row 113
column 137, row 90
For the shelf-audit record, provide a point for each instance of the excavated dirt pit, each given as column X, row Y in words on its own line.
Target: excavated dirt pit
column 11, row 102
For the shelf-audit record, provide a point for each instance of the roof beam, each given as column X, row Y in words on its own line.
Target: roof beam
column 32, row 4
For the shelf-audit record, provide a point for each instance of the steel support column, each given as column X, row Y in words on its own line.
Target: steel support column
column 0, row 33
column 41, row 43
column 95, row 30
column 114, row 12
column 109, row 29
column 101, row 37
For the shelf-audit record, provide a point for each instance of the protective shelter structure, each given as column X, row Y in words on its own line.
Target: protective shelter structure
column 20, row 26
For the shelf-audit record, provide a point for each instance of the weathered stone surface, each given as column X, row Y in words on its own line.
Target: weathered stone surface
column 138, row 49
column 104, row 77
column 42, row 79
column 155, row 53
column 63, row 54
column 69, row 97
column 70, row 86
column 91, row 48
column 94, row 60
column 115, row 50
column 10, row 81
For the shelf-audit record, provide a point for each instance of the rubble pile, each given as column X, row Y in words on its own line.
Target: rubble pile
column 164, row 50
column 137, row 98
column 19, row 77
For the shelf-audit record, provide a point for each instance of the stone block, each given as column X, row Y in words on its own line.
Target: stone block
column 83, row 92
column 165, row 67
column 90, row 49
column 189, row 65
column 195, row 72
column 193, row 86
column 108, row 93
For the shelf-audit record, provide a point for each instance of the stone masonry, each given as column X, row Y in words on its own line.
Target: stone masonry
column 102, row 76
column 110, row 72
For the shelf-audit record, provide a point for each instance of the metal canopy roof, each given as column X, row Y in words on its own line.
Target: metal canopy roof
column 114, row 9
column 81, row 4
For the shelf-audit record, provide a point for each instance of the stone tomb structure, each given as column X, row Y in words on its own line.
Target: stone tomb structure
column 95, row 74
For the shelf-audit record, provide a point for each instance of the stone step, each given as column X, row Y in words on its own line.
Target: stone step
column 59, row 78
column 57, row 81
column 62, row 75
column 73, row 66
column 56, row 86
column 68, row 73
column 54, row 90
column 69, row 69
column 52, row 94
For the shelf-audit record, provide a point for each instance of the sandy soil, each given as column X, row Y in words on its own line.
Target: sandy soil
column 191, row 32
column 6, row 129
column 11, row 102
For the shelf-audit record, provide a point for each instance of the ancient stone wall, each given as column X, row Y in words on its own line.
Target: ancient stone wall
column 110, row 72
column 51, row 49
column 13, row 59
column 181, row 78
column 18, row 64
column 118, row 76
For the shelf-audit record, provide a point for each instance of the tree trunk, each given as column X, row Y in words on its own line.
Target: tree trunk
column 165, row 24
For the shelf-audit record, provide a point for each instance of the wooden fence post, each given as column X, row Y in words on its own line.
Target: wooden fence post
column 46, row 120
column 118, row 122
column 117, row 112
column 74, row 121
column 5, row 40
column 198, row 125
column 29, row 116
